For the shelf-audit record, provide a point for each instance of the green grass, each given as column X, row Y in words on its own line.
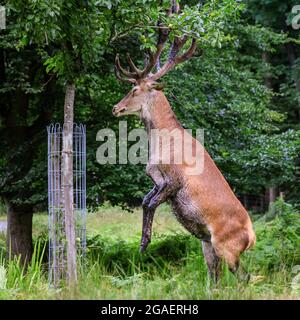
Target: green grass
column 172, row 267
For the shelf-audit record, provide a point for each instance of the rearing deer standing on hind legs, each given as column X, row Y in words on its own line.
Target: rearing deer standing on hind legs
column 203, row 203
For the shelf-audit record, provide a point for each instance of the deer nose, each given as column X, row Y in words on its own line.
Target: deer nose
column 114, row 110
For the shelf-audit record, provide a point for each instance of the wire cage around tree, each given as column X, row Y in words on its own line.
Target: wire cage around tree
column 57, row 234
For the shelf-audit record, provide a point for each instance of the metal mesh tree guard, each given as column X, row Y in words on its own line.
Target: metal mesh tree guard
column 57, row 234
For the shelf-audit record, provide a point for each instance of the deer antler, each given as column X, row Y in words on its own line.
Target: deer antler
column 174, row 59
column 130, row 77
column 136, row 74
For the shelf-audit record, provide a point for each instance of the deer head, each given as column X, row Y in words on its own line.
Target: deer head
column 145, row 83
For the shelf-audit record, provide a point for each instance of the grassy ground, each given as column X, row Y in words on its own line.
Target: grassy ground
column 172, row 268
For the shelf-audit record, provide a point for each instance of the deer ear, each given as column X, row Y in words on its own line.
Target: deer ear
column 157, row 85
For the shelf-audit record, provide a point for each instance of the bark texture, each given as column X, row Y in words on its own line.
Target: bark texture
column 19, row 234
column 67, row 185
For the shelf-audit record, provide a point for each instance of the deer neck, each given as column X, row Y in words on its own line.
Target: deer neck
column 159, row 114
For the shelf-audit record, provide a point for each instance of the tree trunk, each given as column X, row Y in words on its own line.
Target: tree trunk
column 268, row 78
column 272, row 194
column 268, row 82
column 19, row 234
column 262, row 207
column 67, row 185
column 291, row 58
column 246, row 202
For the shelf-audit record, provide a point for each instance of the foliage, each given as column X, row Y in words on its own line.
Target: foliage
column 15, row 276
column 281, row 66
column 172, row 267
column 278, row 240
column 48, row 43
column 242, row 87
column 247, row 126
column 125, row 255
column 278, row 246
column 241, row 132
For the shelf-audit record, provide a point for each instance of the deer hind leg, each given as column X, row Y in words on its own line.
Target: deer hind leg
column 239, row 271
column 213, row 262
column 231, row 254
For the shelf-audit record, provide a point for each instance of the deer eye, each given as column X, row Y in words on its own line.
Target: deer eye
column 134, row 91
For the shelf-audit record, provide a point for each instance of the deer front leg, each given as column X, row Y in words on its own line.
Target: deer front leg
column 148, row 215
column 149, row 196
column 164, row 189
column 149, row 211
column 147, row 219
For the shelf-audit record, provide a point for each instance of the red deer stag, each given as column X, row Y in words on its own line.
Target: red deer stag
column 204, row 203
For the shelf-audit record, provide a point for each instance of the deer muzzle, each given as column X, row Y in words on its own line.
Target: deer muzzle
column 118, row 110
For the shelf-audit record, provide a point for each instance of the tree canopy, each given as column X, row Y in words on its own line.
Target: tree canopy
column 242, row 87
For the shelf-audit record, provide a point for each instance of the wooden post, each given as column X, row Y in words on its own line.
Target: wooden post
column 67, row 186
